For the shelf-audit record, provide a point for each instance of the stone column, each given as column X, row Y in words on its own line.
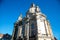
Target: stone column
column 27, row 31
column 19, row 32
column 13, row 34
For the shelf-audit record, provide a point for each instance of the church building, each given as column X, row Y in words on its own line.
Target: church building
column 34, row 26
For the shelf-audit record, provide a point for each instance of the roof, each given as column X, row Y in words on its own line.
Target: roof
column 1, row 35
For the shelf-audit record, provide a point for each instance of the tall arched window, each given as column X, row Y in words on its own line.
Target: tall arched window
column 32, row 29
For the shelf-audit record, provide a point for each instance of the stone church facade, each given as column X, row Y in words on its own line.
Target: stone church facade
column 34, row 26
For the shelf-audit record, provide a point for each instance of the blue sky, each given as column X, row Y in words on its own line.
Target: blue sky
column 11, row 9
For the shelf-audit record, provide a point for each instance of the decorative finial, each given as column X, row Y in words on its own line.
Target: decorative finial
column 32, row 5
column 32, row 8
column 37, row 9
column 20, row 17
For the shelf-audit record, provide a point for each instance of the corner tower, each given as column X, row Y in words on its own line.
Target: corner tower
column 39, row 25
column 34, row 26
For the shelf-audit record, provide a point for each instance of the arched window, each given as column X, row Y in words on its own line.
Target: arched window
column 32, row 26
column 32, row 30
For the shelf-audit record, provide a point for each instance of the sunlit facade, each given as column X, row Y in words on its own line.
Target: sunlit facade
column 34, row 26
